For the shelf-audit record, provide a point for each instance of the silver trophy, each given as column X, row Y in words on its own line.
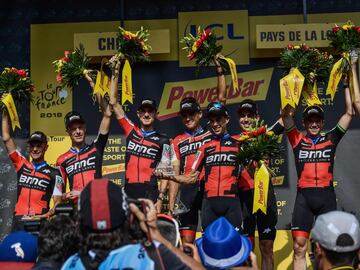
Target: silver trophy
column 165, row 162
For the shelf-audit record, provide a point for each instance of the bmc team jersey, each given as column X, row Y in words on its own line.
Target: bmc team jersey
column 144, row 151
column 315, row 158
column 218, row 158
column 185, row 147
column 35, row 185
column 79, row 167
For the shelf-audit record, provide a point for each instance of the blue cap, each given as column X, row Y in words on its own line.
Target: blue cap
column 222, row 246
column 18, row 247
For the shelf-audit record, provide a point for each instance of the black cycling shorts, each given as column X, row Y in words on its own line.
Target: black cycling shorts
column 215, row 207
column 266, row 224
column 142, row 190
column 191, row 196
column 309, row 203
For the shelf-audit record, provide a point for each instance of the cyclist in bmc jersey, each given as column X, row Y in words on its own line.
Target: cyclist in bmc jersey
column 218, row 159
column 83, row 162
column 314, row 158
column 145, row 147
column 265, row 223
column 37, row 182
column 184, row 148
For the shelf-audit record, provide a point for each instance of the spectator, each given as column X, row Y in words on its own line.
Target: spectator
column 58, row 239
column 105, row 241
column 222, row 246
column 335, row 240
column 18, row 251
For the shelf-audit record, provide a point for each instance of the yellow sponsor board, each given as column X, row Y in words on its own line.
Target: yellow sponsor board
column 270, row 36
column 230, row 27
column 252, row 84
column 106, row 43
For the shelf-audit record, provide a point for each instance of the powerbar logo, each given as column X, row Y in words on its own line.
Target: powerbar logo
column 141, row 149
column 33, row 181
column 315, row 154
column 221, row 159
column 86, row 163
column 192, row 147
column 253, row 84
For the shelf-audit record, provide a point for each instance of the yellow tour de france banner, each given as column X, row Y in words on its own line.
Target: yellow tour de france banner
column 271, row 36
column 310, row 95
column 230, row 27
column 251, row 84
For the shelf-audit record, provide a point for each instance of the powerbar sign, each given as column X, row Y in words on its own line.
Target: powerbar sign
column 269, row 36
column 252, row 84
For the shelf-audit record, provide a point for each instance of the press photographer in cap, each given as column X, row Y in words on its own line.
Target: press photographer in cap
column 37, row 182
column 112, row 233
column 335, row 240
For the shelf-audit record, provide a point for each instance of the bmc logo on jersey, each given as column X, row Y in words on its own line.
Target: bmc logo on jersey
column 192, row 146
column 80, row 164
column 311, row 154
column 221, row 158
column 29, row 180
column 143, row 149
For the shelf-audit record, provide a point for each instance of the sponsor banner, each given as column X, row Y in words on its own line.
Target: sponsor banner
column 230, row 27
column 270, row 36
column 107, row 43
column 252, row 84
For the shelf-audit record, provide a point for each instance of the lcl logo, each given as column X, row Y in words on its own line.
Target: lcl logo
column 228, row 29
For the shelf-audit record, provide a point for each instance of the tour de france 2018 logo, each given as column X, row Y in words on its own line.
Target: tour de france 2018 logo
column 49, row 99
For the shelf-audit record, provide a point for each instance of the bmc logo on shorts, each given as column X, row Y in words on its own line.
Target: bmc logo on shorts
column 314, row 154
column 33, row 181
column 142, row 149
column 80, row 164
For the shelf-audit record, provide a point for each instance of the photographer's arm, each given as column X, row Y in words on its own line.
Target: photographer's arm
column 148, row 223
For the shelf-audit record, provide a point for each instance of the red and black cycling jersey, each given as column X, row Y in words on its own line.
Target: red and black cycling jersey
column 185, row 147
column 81, row 166
column 144, row 151
column 36, row 184
column 314, row 158
column 218, row 158
column 246, row 181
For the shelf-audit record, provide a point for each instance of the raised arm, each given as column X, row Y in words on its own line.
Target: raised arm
column 345, row 119
column 356, row 86
column 6, row 133
column 287, row 117
column 221, row 80
column 118, row 109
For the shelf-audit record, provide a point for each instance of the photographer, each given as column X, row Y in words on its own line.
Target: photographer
column 109, row 233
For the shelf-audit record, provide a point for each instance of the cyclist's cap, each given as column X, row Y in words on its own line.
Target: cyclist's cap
column 149, row 103
column 314, row 110
column 103, row 206
column 337, row 231
column 38, row 136
column 72, row 117
column 247, row 105
column 189, row 104
column 216, row 108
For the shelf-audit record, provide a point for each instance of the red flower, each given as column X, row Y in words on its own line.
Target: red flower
column 305, row 47
column 66, row 56
column 59, row 77
column 14, row 70
column 191, row 55
column 357, row 28
column 290, row 46
column 335, row 29
column 21, row 73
